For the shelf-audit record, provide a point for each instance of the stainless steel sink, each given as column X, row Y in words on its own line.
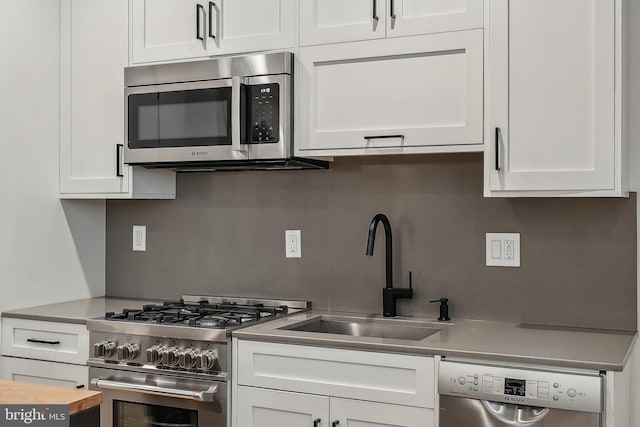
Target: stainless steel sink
column 375, row 328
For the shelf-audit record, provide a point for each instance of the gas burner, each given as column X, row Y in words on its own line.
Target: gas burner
column 206, row 312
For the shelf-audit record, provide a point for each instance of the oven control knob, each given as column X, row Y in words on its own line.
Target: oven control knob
column 187, row 358
column 170, row 356
column 128, row 351
column 104, row 348
column 206, row 360
column 154, row 354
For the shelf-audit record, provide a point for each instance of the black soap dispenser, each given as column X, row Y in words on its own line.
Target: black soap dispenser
column 444, row 309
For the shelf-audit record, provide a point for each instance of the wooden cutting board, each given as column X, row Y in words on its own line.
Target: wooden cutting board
column 20, row 393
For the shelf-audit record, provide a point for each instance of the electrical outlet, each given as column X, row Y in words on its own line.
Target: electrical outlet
column 139, row 237
column 293, row 244
column 503, row 249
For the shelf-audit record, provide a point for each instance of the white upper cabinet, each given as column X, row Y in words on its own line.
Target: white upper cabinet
column 392, row 96
column 332, row 21
column 169, row 30
column 554, row 102
column 409, row 17
column 92, row 59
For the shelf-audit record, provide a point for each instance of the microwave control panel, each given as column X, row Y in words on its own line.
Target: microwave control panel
column 265, row 113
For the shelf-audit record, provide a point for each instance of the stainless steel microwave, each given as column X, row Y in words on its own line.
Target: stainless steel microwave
column 218, row 114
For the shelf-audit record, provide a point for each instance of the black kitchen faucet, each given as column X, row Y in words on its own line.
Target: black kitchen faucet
column 389, row 293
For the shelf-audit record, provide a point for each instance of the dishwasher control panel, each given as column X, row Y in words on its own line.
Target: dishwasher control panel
column 547, row 389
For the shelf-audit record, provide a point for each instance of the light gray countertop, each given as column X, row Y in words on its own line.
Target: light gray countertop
column 77, row 311
column 576, row 348
column 593, row 349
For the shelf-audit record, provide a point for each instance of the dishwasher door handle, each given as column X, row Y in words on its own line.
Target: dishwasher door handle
column 202, row 396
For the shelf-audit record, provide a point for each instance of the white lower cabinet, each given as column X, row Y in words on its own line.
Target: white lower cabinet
column 272, row 408
column 42, row 352
column 43, row 372
column 404, row 95
column 295, row 385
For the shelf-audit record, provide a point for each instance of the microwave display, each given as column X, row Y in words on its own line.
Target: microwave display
column 265, row 113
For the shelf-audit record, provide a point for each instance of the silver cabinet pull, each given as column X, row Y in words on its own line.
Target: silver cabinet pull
column 202, row 396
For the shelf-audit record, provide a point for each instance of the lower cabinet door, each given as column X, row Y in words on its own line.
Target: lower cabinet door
column 270, row 408
column 358, row 413
column 42, row 372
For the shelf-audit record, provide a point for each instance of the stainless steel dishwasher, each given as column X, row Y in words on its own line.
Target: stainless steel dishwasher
column 479, row 395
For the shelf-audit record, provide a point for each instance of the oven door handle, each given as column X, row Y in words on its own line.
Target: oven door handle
column 236, row 123
column 202, row 396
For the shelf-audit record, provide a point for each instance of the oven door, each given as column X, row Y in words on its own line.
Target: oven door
column 180, row 122
column 148, row 400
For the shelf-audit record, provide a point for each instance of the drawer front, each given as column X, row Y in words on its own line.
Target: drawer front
column 33, row 339
column 48, row 373
column 380, row 377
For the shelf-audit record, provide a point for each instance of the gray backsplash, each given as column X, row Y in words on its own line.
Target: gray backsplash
column 224, row 235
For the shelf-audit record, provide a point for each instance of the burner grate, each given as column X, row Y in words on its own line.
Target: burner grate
column 203, row 313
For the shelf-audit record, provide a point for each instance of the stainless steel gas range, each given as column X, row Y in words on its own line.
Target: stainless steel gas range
column 169, row 364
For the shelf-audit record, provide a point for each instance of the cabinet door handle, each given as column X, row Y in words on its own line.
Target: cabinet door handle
column 212, row 7
column 383, row 137
column 80, row 386
column 199, row 12
column 498, row 135
column 393, row 10
column 37, row 341
column 335, row 423
column 375, row 10
column 119, row 148
column 316, row 422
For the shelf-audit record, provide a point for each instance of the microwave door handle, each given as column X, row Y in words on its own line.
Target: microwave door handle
column 236, row 144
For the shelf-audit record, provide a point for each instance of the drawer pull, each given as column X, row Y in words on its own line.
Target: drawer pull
column 80, row 386
column 316, row 422
column 37, row 341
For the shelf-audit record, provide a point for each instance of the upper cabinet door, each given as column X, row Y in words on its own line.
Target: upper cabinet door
column 409, row 17
column 164, row 30
column 551, row 110
column 170, row 30
column 93, row 54
column 332, row 21
column 392, row 96
column 249, row 25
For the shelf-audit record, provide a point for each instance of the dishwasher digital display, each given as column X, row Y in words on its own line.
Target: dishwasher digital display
column 515, row 387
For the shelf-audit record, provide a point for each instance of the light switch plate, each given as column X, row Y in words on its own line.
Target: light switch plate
column 503, row 249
